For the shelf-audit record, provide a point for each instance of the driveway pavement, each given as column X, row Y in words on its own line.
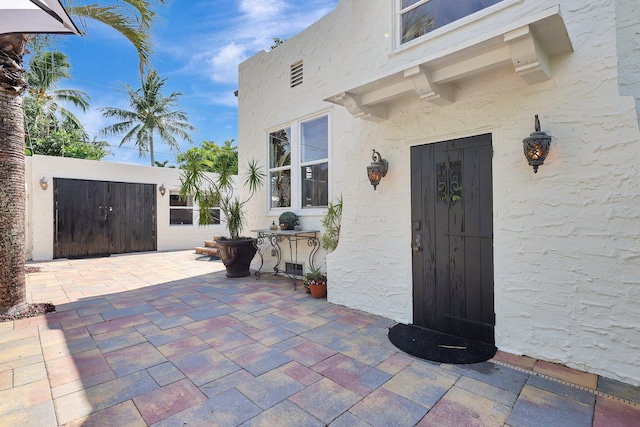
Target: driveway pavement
column 165, row 339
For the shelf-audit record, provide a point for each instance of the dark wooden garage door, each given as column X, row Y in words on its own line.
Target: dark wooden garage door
column 452, row 220
column 95, row 218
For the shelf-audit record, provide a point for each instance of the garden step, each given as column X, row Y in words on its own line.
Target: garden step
column 208, row 251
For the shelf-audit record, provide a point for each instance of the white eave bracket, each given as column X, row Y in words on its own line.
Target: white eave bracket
column 353, row 104
column 525, row 45
column 426, row 89
column 529, row 58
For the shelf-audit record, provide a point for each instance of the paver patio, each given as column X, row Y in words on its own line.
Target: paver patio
column 165, row 339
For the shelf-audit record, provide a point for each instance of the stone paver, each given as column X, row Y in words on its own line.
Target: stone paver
column 325, row 400
column 612, row 413
column 165, row 339
column 384, row 408
column 166, row 401
column 462, row 408
column 270, row 389
column 421, row 383
column 537, row 408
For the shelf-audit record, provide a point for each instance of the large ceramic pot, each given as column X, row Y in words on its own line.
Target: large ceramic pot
column 236, row 255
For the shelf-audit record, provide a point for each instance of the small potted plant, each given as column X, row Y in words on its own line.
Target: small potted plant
column 316, row 283
column 288, row 220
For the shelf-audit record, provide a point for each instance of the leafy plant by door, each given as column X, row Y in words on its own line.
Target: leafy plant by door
column 331, row 224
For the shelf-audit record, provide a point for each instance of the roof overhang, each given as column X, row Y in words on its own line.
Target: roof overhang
column 35, row 16
column 524, row 45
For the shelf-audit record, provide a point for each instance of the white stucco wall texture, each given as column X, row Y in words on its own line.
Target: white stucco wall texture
column 566, row 240
column 40, row 204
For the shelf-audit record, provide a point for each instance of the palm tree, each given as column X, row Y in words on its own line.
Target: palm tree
column 46, row 69
column 134, row 22
column 150, row 114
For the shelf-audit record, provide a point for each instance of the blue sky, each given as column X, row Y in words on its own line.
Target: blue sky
column 198, row 46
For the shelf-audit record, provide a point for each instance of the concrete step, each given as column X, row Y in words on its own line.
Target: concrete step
column 210, row 244
column 208, row 251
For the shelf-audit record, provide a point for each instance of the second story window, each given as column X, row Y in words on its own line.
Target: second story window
column 419, row 17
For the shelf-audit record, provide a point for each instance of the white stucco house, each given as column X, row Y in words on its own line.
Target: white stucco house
column 461, row 235
column 80, row 208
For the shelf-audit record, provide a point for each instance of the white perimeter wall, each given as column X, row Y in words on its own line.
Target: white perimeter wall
column 566, row 240
column 39, row 221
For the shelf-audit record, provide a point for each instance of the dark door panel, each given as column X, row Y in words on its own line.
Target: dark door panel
column 94, row 218
column 452, row 202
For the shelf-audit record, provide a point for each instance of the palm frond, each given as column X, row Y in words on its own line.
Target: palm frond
column 134, row 28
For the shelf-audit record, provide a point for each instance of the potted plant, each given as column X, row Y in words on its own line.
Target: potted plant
column 288, row 220
column 236, row 252
column 316, row 283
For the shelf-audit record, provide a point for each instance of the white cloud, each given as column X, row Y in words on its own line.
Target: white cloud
column 224, row 64
column 219, row 52
column 262, row 10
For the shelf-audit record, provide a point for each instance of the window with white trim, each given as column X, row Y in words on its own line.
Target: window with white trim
column 180, row 210
column 184, row 212
column 299, row 165
column 419, row 17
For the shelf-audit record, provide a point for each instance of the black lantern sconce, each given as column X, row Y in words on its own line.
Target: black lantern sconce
column 377, row 169
column 162, row 190
column 44, row 183
column 536, row 146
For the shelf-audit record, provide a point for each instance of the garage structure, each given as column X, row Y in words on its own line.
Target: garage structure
column 94, row 218
column 80, row 208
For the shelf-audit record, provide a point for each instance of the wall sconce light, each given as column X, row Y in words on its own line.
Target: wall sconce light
column 44, row 183
column 536, row 146
column 377, row 169
column 162, row 190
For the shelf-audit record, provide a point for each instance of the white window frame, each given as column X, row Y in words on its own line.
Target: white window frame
column 189, row 206
column 193, row 207
column 398, row 46
column 296, row 167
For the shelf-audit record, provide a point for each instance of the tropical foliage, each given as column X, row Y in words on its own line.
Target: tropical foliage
column 150, row 114
column 331, row 223
column 133, row 19
column 50, row 128
column 67, row 143
column 218, row 193
column 220, row 159
column 277, row 41
column 164, row 164
column 46, row 70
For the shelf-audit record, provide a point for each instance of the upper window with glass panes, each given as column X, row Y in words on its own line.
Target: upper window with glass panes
column 299, row 165
column 419, row 17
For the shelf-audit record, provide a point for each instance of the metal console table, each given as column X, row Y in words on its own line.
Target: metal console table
column 292, row 237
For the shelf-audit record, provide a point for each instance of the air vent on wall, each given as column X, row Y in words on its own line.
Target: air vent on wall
column 294, row 269
column 296, row 74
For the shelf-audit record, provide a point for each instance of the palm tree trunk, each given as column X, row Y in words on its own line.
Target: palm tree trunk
column 12, row 174
column 153, row 163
